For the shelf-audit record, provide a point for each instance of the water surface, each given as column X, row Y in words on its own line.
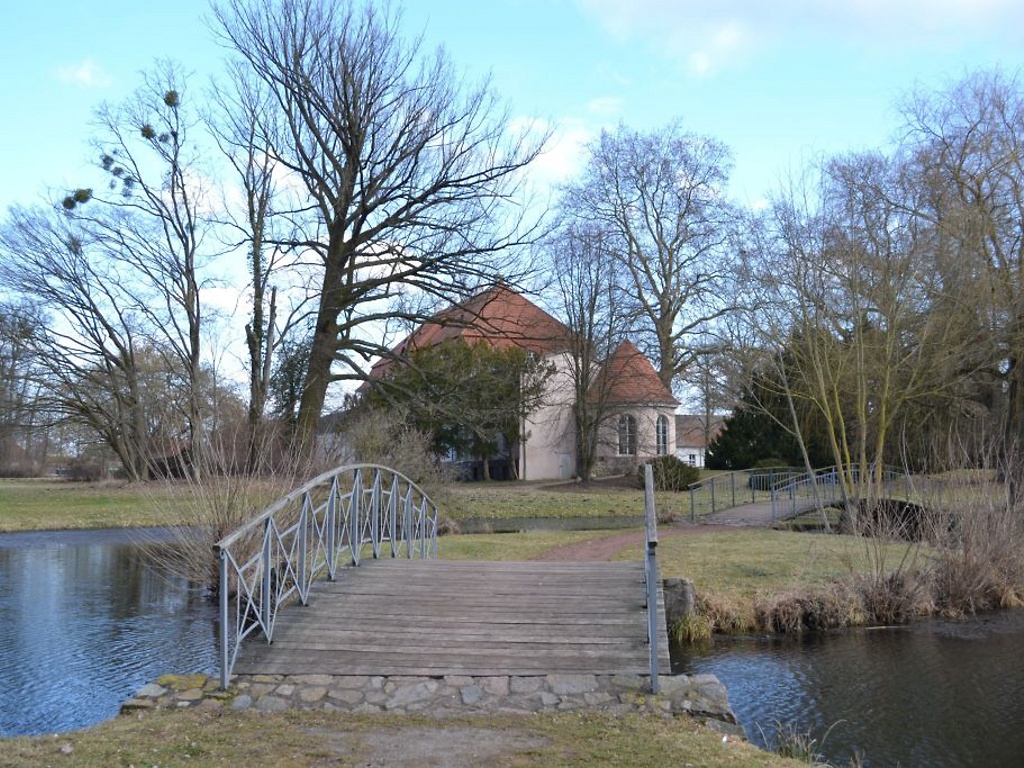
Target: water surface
column 933, row 694
column 85, row 621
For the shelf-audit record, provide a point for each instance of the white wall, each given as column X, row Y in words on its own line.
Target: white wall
column 549, row 449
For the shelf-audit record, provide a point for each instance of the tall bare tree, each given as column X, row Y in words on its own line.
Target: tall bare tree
column 967, row 142
column 401, row 172
column 238, row 115
column 863, row 341
column 591, row 308
column 21, row 325
column 153, row 220
column 90, row 352
column 660, row 199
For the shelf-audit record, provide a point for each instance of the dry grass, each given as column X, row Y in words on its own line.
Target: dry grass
column 471, row 501
column 511, row 546
column 50, row 504
column 191, row 737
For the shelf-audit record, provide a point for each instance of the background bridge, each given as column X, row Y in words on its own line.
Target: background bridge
column 766, row 496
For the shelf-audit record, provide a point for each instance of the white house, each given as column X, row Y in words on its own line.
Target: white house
column 640, row 421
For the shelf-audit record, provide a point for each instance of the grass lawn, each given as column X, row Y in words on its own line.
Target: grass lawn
column 471, row 501
column 744, row 563
column 57, row 505
column 49, row 504
column 191, row 737
column 511, row 546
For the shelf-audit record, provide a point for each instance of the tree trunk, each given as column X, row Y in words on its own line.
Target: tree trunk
column 321, row 354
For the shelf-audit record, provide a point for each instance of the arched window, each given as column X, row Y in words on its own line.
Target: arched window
column 627, row 435
column 661, row 431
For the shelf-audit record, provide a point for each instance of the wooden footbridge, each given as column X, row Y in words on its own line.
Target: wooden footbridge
column 340, row 578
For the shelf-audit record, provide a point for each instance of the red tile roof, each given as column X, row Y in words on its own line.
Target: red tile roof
column 633, row 380
column 498, row 316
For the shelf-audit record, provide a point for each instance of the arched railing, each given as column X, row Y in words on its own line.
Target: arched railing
column 734, row 489
column 332, row 521
column 792, row 491
column 825, row 487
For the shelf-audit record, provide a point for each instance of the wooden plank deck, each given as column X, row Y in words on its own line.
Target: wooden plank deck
column 438, row 617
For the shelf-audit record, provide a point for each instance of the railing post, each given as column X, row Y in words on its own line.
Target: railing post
column 375, row 514
column 332, row 529
column 407, row 516
column 651, row 575
column 433, row 533
column 265, row 607
column 771, row 489
column 693, row 505
column 392, row 515
column 303, row 549
column 732, row 481
column 354, row 539
column 225, row 651
column 714, row 504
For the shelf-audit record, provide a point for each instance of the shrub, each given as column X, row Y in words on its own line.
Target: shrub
column 670, row 474
column 83, row 471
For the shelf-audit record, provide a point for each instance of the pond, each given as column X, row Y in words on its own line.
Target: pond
column 935, row 694
column 85, row 621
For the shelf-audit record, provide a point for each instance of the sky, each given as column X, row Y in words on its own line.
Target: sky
column 781, row 83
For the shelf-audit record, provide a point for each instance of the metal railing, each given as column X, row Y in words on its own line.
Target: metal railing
column 317, row 528
column 651, row 574
column 824, row 487
column 733, row 489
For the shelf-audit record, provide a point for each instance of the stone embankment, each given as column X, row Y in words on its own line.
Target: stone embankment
column 701, row 697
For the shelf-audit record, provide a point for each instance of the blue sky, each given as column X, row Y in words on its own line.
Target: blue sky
column 779, row 82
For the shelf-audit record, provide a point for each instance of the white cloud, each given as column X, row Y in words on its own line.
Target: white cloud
column 605, row 106
column 86, row 74
column 708, row 35
column 563, row 155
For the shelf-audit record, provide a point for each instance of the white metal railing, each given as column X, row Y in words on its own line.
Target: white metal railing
column 825, row 487
column 317, row 528
column 651, row 574
column 733, row 489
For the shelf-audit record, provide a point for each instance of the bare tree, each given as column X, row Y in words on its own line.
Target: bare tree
column 21, row 408
column 591, row 308
column 240, row 109
column 659, row 197
column 153, row 220
column 967, row 143
column 856, row 270
column 401, row 174
column 90, row 351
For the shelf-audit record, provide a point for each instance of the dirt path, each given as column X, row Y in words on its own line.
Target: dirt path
column 607, row 547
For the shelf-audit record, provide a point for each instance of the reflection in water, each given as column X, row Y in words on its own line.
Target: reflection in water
column 85, row 625
column 934, row 694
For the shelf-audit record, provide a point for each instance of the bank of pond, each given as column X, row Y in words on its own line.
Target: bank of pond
column 85, row 621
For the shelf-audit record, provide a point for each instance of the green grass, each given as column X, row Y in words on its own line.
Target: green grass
column 192, row 737
column 510, row 546
column 473, row 501
column 57, row 505
column 745, row 563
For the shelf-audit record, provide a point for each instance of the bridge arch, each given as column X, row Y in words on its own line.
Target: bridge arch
column 331, row 521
